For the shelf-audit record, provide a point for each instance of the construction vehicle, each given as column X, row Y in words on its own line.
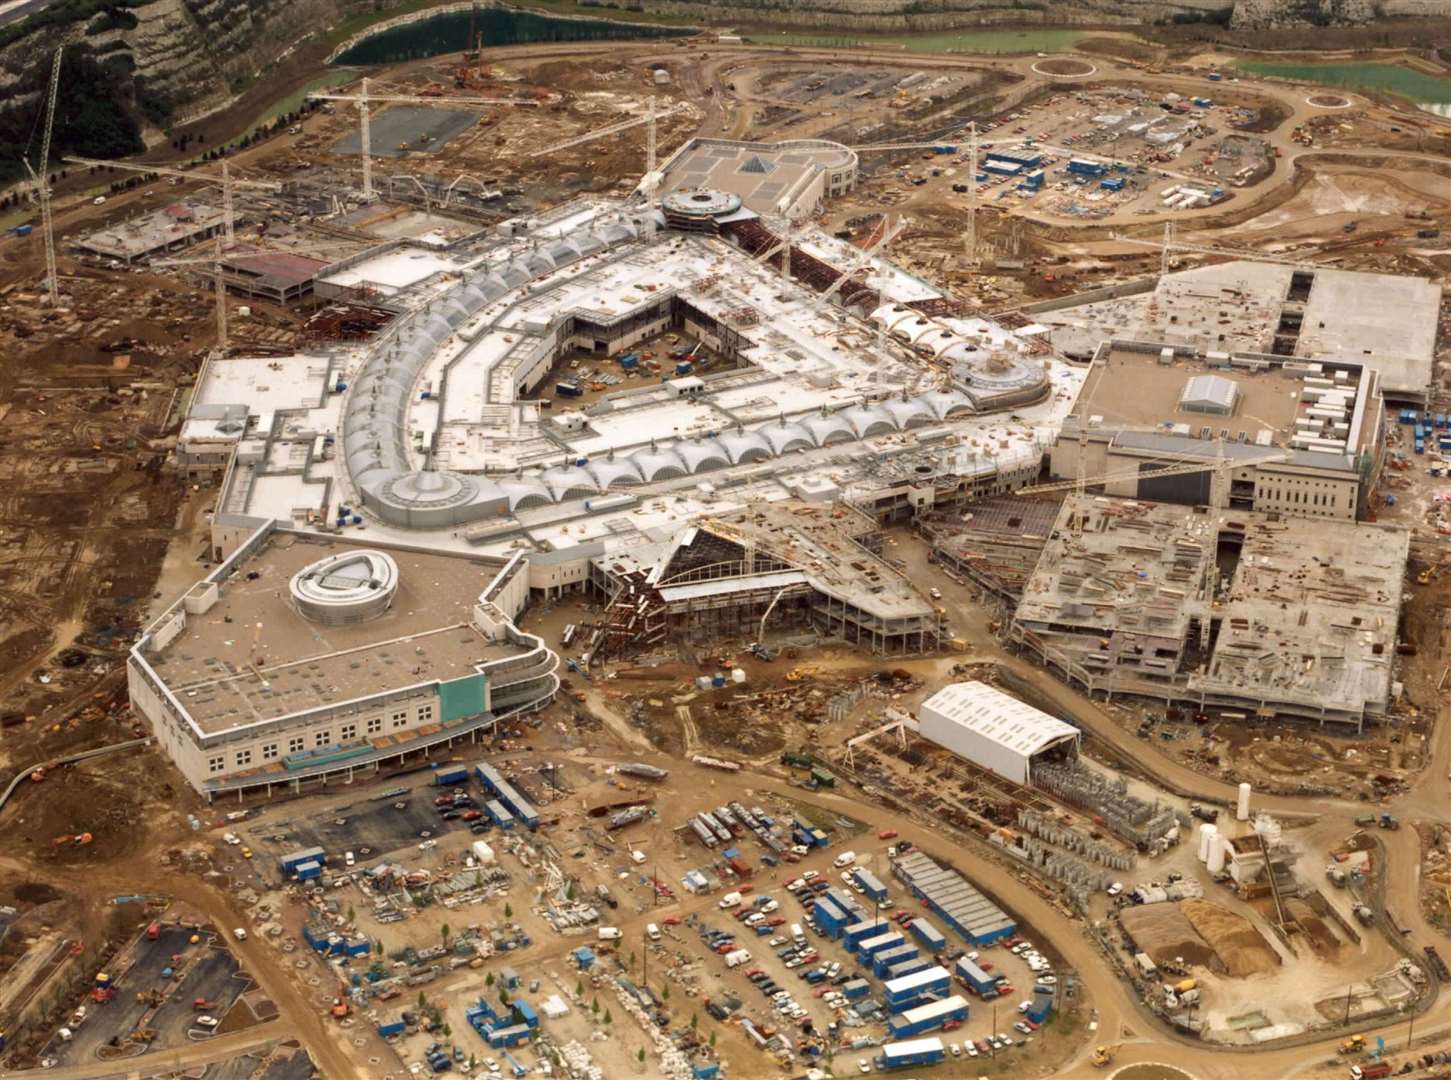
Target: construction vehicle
column 796, row 674
column 1365, row 819
column 1103, row 1056
column 340, row 1009
column 1389, row 821
column 142, row 1035
column 150, row 997
column 1353, row 1045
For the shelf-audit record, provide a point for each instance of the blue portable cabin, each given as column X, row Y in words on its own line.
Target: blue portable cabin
column 1040, row 1008
column 887, row 959
column 856, row 933
column 524, row 1013
column 902, row 1055
column 902, row 994
column 869, row 947
column 307, row 871
column 452, row 775
column 391, row 1028
column 288, row 863
column 975, row 978
column 513, row 1035
column 1028, row 159
column 830, row 917
column 1084, row 167
column 909, row 967
column 856, row 989
column 568, row 389
column 928, row 1017
column 500, row 816
column 928, row 934
column 870, row 884
column 1112, row 183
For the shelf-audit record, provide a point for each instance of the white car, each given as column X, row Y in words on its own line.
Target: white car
column 864, row 1065
column 428, row 845
column 936, row 594
column 1048, row 980
column 207, row 1021
column 231, row 838
column 1114, row 889
column 969, row 1049
column 348, row 858
column 810, row 875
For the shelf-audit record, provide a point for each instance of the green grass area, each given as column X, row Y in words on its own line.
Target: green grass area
column 968, row 41
column 293, row 101
column 1428, row 90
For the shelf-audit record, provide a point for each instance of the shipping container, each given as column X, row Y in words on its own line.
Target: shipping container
column 451, row 775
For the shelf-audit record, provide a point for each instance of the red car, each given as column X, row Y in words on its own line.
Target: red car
column 755, row 971
column 887, row 834
column 671, row 920
column 443, row 800
column 471, row 815
column 776, row 920
column 985, row 965
column 952, row 1025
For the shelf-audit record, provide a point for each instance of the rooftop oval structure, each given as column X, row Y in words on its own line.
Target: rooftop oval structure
column 345, row 589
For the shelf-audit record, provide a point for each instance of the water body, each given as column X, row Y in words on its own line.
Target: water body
column 449, row 32
column 970, row 41
column 1432, row 93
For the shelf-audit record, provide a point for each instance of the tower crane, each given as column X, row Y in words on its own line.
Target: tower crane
column 227, row 180
column 363, row 99
column 1169, row 245
column 42, row 185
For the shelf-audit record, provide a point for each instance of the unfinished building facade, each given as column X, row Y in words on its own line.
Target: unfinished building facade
column 1243, row 613
column 787, row 566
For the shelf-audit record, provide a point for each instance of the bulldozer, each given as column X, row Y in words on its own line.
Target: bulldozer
column 1353, row 1045
column 1103, row 1056
column 150, row 997
column 796, row 674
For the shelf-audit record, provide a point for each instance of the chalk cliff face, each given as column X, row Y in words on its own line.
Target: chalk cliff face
column 174, row 58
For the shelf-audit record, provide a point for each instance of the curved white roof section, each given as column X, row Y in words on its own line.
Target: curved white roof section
column 347, row 588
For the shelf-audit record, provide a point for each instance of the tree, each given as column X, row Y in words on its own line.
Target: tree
column 631, row 962
column 378, row 948
column 504, row 994
column 489, row 979
column 608, row 1018
column 594, row 1006
column 640, row 1057
column 444, row 931
column 352, row 914
column 694, row 1021
column 422, row 1000
column 579, row 988
column 712, row 1040
column 447, row 1031
column 665, row 992
column 508, row 911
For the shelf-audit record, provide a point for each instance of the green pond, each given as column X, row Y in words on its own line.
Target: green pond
column 1430, row 92
column 968, row 41
column 449, row 32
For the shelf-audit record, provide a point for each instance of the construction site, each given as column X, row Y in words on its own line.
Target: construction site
column 693, row 558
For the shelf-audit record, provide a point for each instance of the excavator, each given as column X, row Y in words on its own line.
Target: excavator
column 1103, row 1056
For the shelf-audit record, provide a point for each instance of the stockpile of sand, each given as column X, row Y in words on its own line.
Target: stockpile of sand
column 1162, row 931
column 1233, row 938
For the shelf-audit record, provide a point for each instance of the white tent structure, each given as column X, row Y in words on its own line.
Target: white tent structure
column 993, row 730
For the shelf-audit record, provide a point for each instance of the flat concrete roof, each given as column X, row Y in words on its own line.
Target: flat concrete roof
column 169, row 226
column 1384, row 321
column 760, row 173
column 1134, row 389
column 252, row 657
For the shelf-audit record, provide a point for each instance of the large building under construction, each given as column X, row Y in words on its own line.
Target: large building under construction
column 1238, row 612
column 786, row 566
